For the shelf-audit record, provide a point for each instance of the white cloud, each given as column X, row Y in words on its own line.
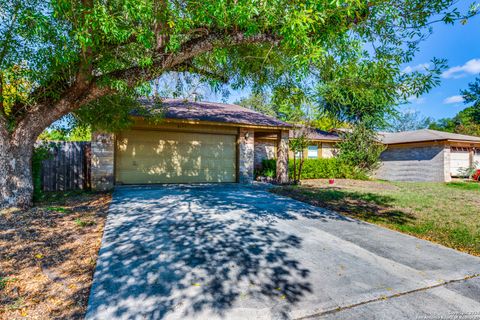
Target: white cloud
column 453, row 99
column 470, row 67
column 418, row 67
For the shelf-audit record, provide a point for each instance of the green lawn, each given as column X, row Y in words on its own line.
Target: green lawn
column 447, row 213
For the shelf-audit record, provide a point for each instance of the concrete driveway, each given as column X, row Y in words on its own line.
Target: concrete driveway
column 233, row 252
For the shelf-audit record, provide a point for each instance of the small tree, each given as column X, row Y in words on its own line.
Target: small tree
column 297, row 144
column 361, row 148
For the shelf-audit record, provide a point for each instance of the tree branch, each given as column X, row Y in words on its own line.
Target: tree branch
column 43, row 115
column 188, row 51
column 85, row 90
column 188, row 66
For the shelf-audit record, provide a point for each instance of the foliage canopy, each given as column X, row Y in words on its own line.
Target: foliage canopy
column 343, row 55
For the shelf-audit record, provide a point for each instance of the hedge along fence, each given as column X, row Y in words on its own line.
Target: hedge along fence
column 324, row 168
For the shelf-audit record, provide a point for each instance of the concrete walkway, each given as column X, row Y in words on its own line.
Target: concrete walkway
column 233, row 252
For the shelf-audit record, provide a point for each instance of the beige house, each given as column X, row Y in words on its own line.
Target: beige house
column 196, row 142
column 427, row 155
column 322, row 144
column 202, row 142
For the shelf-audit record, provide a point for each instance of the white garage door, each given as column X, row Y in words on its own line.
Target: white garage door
column 144, row 157
column 459, row 160
column 476, row 158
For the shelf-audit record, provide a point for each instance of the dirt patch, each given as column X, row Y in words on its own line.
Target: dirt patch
column 48, row 254
column 347, row 184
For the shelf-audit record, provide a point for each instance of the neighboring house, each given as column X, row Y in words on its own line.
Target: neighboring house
column 322, row 144
column 195, row 142
column 427, row 155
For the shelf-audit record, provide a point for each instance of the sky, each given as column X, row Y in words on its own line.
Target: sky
column 459, row 44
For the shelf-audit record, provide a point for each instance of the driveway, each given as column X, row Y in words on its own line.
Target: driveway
column 235, row 252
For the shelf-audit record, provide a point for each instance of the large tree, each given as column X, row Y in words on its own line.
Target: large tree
column 57, row 56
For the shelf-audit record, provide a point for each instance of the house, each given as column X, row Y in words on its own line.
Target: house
column 195, row 142
column 427, row 155
column 322, row 143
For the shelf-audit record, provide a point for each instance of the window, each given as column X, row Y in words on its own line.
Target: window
column 312, row 152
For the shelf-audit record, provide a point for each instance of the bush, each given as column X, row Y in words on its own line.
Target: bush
column 325, row 168
column 361, row 148
column 40, row 153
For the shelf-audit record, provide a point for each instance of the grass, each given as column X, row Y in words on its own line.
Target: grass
column 59, row 209
column 475, row 186
column 446, row 213
column 84, row 223
column 4, row 281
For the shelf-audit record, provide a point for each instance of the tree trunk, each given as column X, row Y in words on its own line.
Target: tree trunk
column 300, row 168
column 294, row 167
column 16, row 185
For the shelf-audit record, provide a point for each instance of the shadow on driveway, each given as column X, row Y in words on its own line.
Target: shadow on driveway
column 215, row 251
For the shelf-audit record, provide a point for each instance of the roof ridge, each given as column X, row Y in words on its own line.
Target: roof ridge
column 213, row 111
column 212, row 103
column 436, row 133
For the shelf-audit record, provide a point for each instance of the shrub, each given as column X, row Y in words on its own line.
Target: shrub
column 40, row 153
column 324, row 168
column 470, row 172
column 361, row 148
column 328, row 168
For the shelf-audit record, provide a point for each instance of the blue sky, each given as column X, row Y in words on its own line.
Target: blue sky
column 459, row 44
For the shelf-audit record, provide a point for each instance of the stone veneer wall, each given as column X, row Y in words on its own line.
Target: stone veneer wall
column 103, row 146
column 264, row 149
column 415, row 164
column 246, row 148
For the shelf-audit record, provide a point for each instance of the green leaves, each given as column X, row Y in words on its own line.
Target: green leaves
column 338, row 57
column 360, row 148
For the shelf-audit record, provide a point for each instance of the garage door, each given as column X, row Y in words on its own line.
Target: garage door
column 459, row 160
column 476, row 158
column 144, row 157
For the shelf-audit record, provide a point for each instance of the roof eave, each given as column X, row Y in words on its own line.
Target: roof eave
column 219, row 123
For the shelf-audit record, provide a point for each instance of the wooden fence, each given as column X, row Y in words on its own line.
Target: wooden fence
column 68, row 167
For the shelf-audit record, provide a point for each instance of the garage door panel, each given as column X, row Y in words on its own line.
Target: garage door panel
column 459, row 160
column 173, row 157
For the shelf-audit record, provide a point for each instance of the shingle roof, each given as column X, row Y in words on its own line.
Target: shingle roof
column 423, row 136
column 317, row 134
column 212, row 112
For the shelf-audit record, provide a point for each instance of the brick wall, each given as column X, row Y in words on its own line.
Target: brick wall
column 414, row 164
